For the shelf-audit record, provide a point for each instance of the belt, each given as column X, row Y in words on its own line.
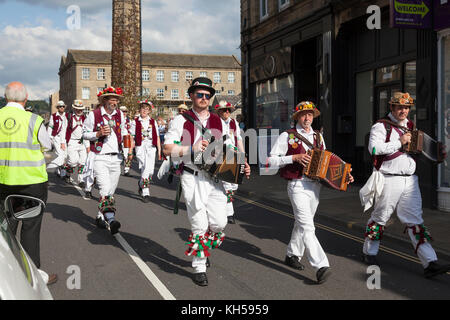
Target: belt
column 110, row 154
column 191, row 171
column 397, row 175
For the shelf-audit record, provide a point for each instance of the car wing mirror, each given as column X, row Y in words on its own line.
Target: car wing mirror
column 24, row 207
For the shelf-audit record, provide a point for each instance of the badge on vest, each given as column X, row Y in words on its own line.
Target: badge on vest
column 293, row 141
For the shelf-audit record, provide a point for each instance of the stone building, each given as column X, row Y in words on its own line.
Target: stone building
column 165, row 77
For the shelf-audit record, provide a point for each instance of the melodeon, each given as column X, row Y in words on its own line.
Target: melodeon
column 421, row 143
column 227, row 165
column 328, row 168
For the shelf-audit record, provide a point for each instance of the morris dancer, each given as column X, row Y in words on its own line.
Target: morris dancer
column 88, row 172
column 56, row 130
column 205, row 198
column 290, row 154
column 127, row 152
column 104, row 128
column 233, row 132
column 397, row 187
column 146, row 137
column 77, row 149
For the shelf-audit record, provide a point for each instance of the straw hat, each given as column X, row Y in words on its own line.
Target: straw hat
column 224, row 105
column 182, row 107
column 305, row 106
column 146, row 102
column 123, row 108
column 78, row 104
column 402, row 98
column 110, row 92
column 60, row 104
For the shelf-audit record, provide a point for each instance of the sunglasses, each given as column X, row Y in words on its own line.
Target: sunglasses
column 226, row 110
column 201, row 95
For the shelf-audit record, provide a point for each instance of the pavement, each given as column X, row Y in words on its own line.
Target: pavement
column 345, row 209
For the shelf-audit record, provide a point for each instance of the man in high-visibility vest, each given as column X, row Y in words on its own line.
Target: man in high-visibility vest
column 23, row 137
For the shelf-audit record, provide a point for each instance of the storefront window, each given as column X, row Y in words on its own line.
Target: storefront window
column 364, row 113
column 444, row 103
column 274, row 103
column 389, row 73
column 410, row 86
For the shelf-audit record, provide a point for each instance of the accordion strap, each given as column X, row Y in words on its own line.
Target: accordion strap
column 199, row 126
column 392, row 123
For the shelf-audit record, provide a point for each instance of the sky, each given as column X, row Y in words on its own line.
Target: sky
column 34, row 34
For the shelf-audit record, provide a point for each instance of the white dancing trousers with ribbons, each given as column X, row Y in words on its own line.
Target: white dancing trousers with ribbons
column 400, row 193
column 76, row 155
column 206, row 208
column 60, row 155
column 88, row 173
column 146, row 155
column 107, row 173
column 125, row 157
column 304, row 196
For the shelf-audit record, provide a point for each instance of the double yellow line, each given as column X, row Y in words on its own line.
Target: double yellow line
column 335, row 231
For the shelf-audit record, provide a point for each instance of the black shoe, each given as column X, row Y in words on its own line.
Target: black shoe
column 100, row 223
column 140, row 189
column 81, row 184
column 231, row 220
column 67, row 179
column 294, row 262
column 370, row 260
column 114, row 226
column 127, row 174
column 88, row 194
column 322, row 274
column 435, row 269
column 146, row 199
column 200, row 279
column 208, row 264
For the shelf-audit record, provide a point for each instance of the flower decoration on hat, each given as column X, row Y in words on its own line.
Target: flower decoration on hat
column 110, row 91
column 305, row 106
column 402, row 98
column 146, row 101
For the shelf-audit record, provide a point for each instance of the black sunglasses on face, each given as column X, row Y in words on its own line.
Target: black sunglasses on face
column 201, row 95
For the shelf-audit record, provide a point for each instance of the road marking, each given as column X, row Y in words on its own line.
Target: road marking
column 335, row 231
column 148, row 273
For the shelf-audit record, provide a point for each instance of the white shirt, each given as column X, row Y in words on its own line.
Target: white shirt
column 61, row 136
column 404, row 164
column 43, row 136
column 278, row 158
column 110, row 144
column 146, row 129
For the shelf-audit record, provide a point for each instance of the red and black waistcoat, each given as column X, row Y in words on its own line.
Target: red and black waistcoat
column 379, row 159
column 70, row 127
column 115, row 122
column 295, row 170
column 138, row 135
column 57, row 124
column 214, row 124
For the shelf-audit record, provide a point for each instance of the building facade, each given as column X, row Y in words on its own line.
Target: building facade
column 165, row 77
column 323, row 51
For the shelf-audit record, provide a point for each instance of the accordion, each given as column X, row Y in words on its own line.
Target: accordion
column 423, row 144
column 226, row 165
column 328, row 168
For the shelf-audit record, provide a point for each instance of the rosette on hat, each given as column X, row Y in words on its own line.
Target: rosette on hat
column 305, row 106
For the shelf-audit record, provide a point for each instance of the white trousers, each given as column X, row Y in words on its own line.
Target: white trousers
column 107, row 173
column 76, row 155
column 403, row 194
column 206, row 208
column 146, row 154
column 304, row 196
column 233, row 187
column 60, row 155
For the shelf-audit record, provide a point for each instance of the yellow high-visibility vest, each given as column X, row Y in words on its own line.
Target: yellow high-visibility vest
column 21, row 159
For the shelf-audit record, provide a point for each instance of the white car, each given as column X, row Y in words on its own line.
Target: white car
column 19, row 277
